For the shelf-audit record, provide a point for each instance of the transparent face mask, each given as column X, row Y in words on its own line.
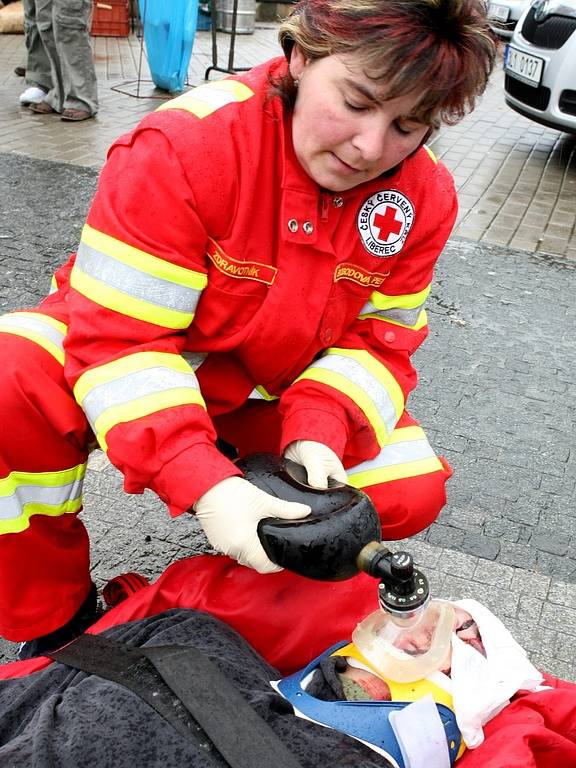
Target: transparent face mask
column 410, row 647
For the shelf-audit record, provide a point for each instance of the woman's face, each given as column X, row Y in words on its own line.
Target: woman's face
column 344, row 132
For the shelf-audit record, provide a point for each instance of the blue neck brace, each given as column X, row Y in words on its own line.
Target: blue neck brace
column 363, row 720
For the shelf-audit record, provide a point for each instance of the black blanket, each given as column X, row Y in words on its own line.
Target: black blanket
column 63, row 717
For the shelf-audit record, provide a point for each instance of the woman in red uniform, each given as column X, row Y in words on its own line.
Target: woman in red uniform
column 253, row 272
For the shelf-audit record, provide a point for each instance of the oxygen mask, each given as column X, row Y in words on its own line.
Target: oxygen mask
column 409, row 637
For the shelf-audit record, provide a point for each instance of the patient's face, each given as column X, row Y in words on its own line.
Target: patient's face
column 415, row 643
column 418, row 642
column 467, row 630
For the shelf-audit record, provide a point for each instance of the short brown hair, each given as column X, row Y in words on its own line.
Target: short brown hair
column 444, row 48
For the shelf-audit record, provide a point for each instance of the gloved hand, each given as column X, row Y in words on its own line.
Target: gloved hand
column 229, row 514
column 319, row 461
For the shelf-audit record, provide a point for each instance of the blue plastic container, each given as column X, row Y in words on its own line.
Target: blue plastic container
column 169, row 30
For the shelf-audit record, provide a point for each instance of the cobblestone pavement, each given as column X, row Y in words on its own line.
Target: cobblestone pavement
column 496, row 390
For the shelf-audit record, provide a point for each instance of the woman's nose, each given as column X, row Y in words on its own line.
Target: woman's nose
column 372, row 139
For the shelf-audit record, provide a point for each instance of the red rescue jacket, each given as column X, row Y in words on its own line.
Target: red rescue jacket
column 303, row 295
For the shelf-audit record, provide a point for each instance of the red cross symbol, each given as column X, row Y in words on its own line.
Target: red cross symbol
column 388, row 224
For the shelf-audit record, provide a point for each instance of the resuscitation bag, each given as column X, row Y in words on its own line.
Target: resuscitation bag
column 169, row 30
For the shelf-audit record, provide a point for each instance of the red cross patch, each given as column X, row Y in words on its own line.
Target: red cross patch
column 384, row 221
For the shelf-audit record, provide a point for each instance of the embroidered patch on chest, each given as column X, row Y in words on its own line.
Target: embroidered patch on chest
column 243, row 270
column 384, row 221
column 356, row 274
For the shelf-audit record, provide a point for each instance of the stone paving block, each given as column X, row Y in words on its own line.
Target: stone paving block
column 502, row 602
column 469, row 520
column 564, row 647
column 529, row 609
column 559, row 617
column 550, row 542
column 535, row 638
column 457, row 563
column 445, row 536
column 517, row 555
column 495, row 574
column 427, row 556
column 560, row 486
column 502, row 529
column 480, row 545
column 555, row 667
column 526, row 582
column 562, row 593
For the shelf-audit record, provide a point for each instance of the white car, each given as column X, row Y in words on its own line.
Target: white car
column 540, row 65
column 503, row 15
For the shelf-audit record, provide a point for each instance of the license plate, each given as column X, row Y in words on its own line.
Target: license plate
column 498, row 12
column 523, row 66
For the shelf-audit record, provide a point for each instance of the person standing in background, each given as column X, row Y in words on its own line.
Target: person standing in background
column 60, row 74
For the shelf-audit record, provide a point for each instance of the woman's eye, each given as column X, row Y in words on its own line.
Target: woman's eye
column 403, row 129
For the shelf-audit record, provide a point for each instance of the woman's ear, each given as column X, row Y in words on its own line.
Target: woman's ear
column 297, row 62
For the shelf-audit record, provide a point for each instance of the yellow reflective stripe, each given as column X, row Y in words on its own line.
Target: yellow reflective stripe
column 53, row 285
column 431, row 154
column 134, row 363
column 23, row 522
column 395, row 472
column 260, row 393
column 354, row 392
column 380, row 372
column 407, row 454
column 421, row 322
column 139, row 309
column 381, row 302
column 144, row 406
column 10, row 484
column 379, row 397
column 58, row 326
column 145, row 262
column 134, row 283
column 406, row 301
column 207, row 98
column 23, row 494
column 407, row 434
column 159, row 380
column 404, row 310
column 41, row 329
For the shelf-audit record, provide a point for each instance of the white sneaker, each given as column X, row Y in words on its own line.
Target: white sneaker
column 32, row 95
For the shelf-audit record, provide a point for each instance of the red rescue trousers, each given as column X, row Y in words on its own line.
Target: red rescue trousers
column 44, row 548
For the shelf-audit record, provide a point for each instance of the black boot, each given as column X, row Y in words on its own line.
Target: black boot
column 82, row 619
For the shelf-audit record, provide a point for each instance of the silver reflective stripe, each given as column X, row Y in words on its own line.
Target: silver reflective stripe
column 135, row 283
column 404, row 316
column 213, row 95
column 194, row 359
column 33, row 324
column 359, row 375
column 11, row 507
column 260, row 393
column 396, row 453
column 132, row 386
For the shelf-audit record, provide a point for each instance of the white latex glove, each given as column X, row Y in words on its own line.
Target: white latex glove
column 319, row 461
column 229, row 514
